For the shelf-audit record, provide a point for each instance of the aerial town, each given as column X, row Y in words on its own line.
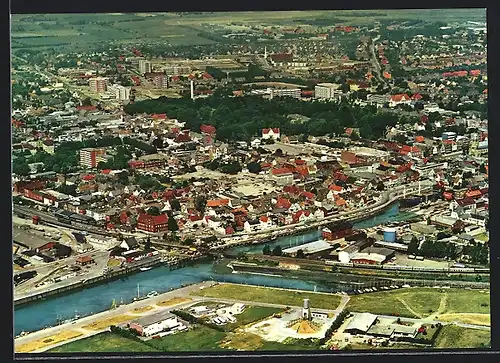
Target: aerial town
column 250, row 181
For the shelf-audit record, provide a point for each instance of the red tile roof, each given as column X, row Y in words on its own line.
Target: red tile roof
column 308, row 195
column 155, row 220
column 283, row 203
column 208, row 129
column 336, row 188
column 281, row 171
column 263, row 219
column 400, row 97
column 275, row 131
column 217, row 202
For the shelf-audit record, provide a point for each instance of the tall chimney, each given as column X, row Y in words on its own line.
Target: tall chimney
column 192, row 89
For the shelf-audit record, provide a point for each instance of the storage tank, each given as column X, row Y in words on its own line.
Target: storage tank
column 390, row 234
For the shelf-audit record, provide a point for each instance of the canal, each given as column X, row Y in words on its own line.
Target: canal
column 37, row 315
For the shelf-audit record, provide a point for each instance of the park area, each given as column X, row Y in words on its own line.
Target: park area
column 271, row 295
column 461, row 305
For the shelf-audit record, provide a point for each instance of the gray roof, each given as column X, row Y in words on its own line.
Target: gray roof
column 383, row 330
column 154, row 318
column 362, row 322
column 378, row 250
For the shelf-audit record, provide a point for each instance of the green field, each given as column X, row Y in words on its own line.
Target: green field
column 421, row 302
column 200, row 338
column 452, row 336
column 270, row 295
column 253, row 314
column 101, row 343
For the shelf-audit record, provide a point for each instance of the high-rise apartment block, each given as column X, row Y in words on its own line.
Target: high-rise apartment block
column 91, row 157
column 98, row 84
column 144, row 66
column 121, row 93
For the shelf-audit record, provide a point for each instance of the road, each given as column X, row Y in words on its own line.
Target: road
column 375, row 62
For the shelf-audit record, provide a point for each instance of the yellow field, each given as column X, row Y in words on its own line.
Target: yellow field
column 47, row 341
column 142, row 309
column 476, row 319
column 242, row 341
column 103, row 324
column 173, row 301
column 304, row 327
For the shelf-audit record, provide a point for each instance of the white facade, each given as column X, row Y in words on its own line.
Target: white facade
column 144, row 66
column 286, row 92
column 344, row 257
column 121, row 93
column 171, row 323
column 327, row 91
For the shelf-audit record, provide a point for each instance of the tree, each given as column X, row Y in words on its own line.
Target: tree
column 87, row 102
column 277, row 251
column 254, row 167
column 300, row 254
column 200, row 202
column 172, row 224
column 413, row 246
column 266, row 250
column 154, row 211
column 21, row 169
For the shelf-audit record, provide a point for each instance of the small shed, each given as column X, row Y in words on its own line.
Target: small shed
column 84, row 260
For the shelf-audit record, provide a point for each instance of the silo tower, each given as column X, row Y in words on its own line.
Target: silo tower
column 306, row 310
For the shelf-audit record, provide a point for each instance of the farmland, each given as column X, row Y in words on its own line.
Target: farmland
column 270, row 295
column 73, row 31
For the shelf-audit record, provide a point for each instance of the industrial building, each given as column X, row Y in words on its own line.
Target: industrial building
column 361, row 323
column 315, row 247
column 346, row 254
column 372, row 256
column 151, row 325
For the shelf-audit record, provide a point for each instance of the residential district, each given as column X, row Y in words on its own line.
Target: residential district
column 258, row 148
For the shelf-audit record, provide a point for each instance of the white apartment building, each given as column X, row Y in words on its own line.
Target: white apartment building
column 121, row 93
column 327, row 91
column 144, row 66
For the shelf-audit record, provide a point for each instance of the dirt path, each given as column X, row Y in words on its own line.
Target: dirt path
column 443, row 305
column 409, row 308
